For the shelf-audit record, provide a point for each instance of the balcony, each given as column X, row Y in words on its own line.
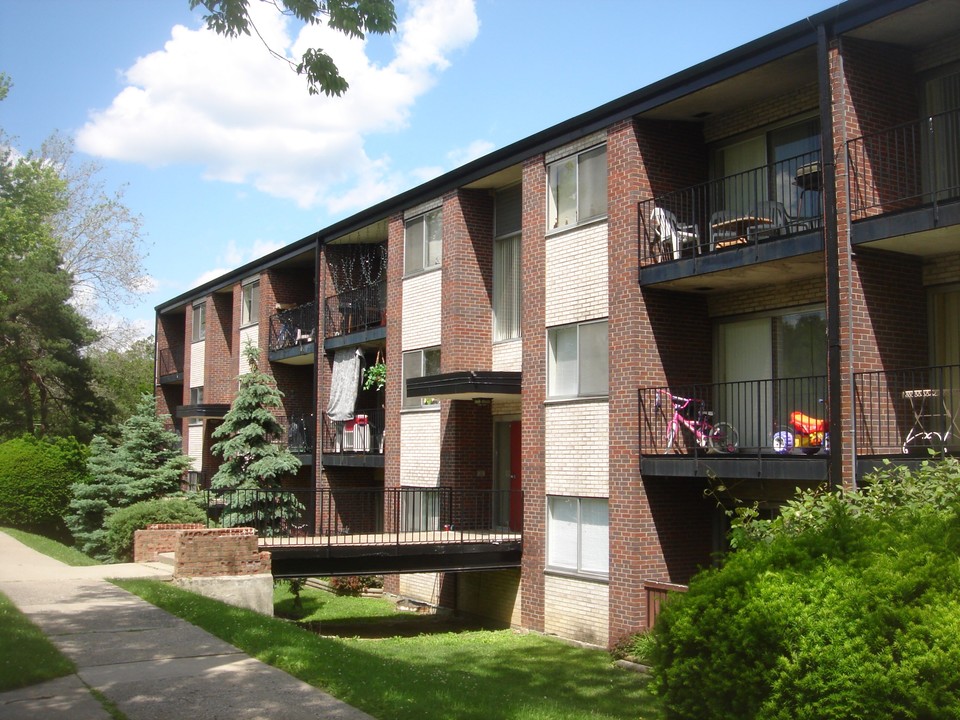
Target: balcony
column 169, row 367
column 293, row 334
column 906, row 180
column 297, row 436
column 358, row 311
column 351, row 531
column 743, row 222
column 357, row 442
column 907, row 414
column 773, row 429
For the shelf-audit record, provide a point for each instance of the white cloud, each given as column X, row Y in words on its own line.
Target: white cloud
column 244, row 117
column 234, row 256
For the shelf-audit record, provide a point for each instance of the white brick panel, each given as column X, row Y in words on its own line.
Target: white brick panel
column 198, row 351
column 576, row 609
column 576, row 275
column 421, row 311
column 420, row 449
column 195, row 445
column 508, row 356
column 576, row 449
column 424, row 587
column 250, row 334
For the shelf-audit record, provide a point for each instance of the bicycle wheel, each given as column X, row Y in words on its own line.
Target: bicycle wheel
column 724, row 437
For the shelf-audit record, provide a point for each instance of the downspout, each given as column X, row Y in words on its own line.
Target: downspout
column 832, row 251
column 318, row 335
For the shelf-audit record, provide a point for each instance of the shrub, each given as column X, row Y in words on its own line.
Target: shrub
column 846, row 606
column 354, row 584
column 35, row 480
column 123, row 523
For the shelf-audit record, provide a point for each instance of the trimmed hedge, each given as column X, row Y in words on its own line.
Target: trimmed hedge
column 123, row 523
column 848, row 606
column 35, row 481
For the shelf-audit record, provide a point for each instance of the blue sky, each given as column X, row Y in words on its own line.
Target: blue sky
column 226, row 157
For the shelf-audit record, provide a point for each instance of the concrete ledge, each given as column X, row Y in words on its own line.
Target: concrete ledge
column 252, row 592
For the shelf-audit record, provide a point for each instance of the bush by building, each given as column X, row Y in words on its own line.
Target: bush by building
column 123, row 523
column 846, row 606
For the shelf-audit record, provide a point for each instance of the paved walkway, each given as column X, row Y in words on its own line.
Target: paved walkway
column 148, row 663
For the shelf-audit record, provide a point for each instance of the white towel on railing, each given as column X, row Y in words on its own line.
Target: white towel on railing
column 344, row 384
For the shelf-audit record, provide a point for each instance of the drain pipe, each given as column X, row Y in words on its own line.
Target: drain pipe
column 832, row 252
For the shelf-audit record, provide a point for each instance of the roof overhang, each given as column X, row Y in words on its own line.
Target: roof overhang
column 466, row 385
column 207, row 410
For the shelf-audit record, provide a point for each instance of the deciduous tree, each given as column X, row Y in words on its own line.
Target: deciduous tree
column 354, row 18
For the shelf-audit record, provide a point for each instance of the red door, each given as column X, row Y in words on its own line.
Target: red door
column 516, row 498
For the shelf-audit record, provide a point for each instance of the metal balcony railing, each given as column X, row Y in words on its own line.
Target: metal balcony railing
column 367, row 516
column 355, row 310
column 169, row 363
column 361, row 435
column 298, row 433
column 760, row 204
column 906, row 166
column 908, row 411
column 293, row 327
column 780, row 416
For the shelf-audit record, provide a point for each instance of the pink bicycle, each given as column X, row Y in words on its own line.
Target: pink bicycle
column 691, row 414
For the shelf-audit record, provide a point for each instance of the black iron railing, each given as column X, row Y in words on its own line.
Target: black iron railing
column 784, row 416
column 169, row 363
column 294, row 327
column 355, row 310
column 763, row 203
column 907, row 166
column 298, row 433
column 908, row 411
column 363, row 434
column 368, row 516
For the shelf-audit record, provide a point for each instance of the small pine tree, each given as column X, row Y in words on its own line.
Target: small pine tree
column 254, row 461
column 145, row 464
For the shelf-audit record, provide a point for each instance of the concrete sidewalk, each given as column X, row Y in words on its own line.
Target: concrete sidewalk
column 148, row 663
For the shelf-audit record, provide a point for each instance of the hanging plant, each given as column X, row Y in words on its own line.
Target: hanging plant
column 375, row 376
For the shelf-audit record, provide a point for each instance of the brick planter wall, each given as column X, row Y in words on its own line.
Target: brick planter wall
column 158, row 538
column 203, row 552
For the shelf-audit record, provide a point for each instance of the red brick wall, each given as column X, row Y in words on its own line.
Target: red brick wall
column 220, row 372
column 533, row 322
column 158, row 538
column 219, row 551
column 392, row 390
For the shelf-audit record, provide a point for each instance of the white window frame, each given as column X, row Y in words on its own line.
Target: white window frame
column 250, row 303
column 422, row 354
column 587, row 553
column 566, row 183
column 423, row 242
column 196, row 398
column 199, row 324
column 585, row 385
column 507, row 280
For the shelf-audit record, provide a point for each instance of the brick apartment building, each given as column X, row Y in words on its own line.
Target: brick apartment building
column 774, row 231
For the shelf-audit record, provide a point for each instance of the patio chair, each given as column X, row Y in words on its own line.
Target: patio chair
column 669, row 236
column 772, row 220
column 724, row 229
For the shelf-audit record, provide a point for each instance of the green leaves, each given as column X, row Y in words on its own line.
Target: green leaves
column 354, row 18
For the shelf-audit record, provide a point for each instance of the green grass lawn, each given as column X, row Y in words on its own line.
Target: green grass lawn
column 51, row 548
column 470, row 675
column 26, row 656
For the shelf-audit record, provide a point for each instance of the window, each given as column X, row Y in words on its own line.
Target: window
column 199, row 322
column 250, row 303
column 506, row 264
column 196, row 398
column 419, row 510
column 578, row 188
column 578, row 535
column 419, row 363
column 423, row 242
column 577, row 364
